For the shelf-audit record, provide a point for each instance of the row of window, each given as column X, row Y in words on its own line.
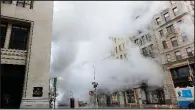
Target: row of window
column 174, row 41
column 169, row 29
column 167, row 16
column 17, row 39
column 143, row 40
column 178, row 55
column 148, row 51
column 22, row 3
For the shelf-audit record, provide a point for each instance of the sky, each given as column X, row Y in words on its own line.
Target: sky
column 80, row 40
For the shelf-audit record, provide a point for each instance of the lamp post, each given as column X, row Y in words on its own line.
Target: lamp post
column 95, row 84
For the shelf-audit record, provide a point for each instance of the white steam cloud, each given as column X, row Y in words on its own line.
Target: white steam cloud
column 81, row 32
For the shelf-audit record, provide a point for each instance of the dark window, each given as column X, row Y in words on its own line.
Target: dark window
column 167, row 17
column 143, row 40
column 175, row 11
column 189, row 51
column 130, row 96
column 158, row 20
column 174, row 42
column 150, row 50
column 144, row 51
column 136, row 41
column 120, row 48
column 3, row 33
column 164, row 44
column 121, row 56
column 178, row 55
column 19, row 37
column 116, row 49
column 7, row 1
column 149, row 37
column 170, row 29
column 25, row 3
column 184, row 37
column 161, row 33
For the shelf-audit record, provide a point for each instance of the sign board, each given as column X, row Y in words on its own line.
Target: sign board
column 91, row 93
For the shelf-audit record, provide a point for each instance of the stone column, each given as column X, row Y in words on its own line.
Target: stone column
column 121, row 98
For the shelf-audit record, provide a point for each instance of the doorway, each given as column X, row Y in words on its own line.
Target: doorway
column 12, row 81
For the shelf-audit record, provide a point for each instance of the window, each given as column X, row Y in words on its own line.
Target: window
column 161, row 33
column 143, row 40
column 167, row 17
column 184, row 37
column 130, row 96
column 149, row 37
column 117, row 57
column 178, row 55
column 174, row 41
column 7, row 1
column 144, row 51
column 150, row 49
column 120, row 48
column 19, row 36
column 168, row 57
column 158, row 20
column 172, row 2
column 189, row 51
column 136, row 41
column 175, row 11
column 165, row 46
column 170, row 29
column 116, row 49
column 25, row 3
column 3, row 33
column 121, row 56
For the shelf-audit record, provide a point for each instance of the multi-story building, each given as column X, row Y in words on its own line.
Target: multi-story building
column 175, row 43
column 26, row 31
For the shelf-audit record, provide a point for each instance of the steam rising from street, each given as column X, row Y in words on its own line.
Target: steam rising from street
column 81, row 32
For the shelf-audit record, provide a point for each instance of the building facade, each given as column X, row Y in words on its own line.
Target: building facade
column 26, row 31
column 176, row 44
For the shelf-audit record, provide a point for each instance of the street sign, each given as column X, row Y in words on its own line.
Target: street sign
column 91, row 93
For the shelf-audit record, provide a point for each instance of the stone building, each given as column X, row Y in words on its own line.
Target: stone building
column 175, row 43
column 26, row 31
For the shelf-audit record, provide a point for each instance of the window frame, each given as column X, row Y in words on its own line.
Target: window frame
column 7, row 1
column 24, row 3
column 172, row 41
column 5, row 25
column 175, row 12
column 168, row 58
column 161, row 33
column 167, row 18
column 158, row 21
column 164, row 43
column 189, row 53
column 178, row 57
